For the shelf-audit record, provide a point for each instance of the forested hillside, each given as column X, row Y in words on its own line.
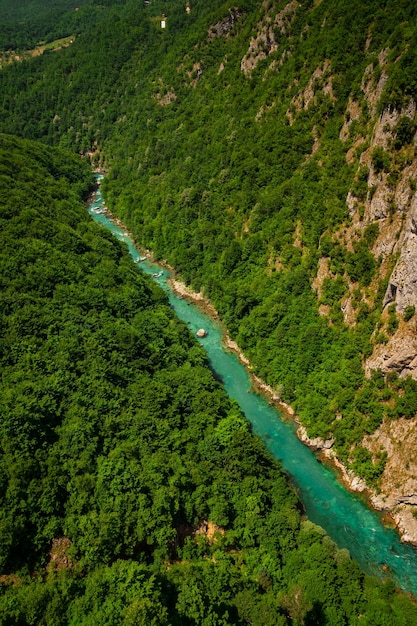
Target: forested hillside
column 25, row 25
column 132, row 491
column 266, row 150
column 234, row 138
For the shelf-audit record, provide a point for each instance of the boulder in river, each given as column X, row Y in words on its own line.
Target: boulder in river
column 201, row 333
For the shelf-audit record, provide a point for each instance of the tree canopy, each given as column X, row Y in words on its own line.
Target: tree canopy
column 132, row 491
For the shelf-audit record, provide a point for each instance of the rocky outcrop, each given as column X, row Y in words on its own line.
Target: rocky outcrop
column 58, row 556
column 394, row 208
column 353, row 112
column 325, row 447
column 411, row 499
column 268, row 32
column 168, row 98
column 398, row 494
column 223, row 28
column 320, row 81
column 383, row 200
column 402, row 287
column 406, row 523
column 398, row 355
column 316, row 443
column 390, row 201
column 398, row 487
column 373, row 82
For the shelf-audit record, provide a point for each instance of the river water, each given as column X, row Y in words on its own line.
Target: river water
column 343, row 515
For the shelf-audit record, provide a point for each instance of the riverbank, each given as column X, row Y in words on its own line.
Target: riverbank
column 396, row 514
column 348, row 521
column 180, row 289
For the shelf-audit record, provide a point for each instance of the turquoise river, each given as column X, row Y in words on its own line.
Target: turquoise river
column 344, row 516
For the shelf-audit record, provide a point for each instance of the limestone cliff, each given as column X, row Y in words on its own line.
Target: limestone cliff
column 391, row 205
column 383, row 196
column 381, row 140
column 268, row 30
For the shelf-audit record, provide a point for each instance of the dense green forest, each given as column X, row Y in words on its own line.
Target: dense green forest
column 132, row 490
column 25, row 25
column 214, row 170
column 120, row 453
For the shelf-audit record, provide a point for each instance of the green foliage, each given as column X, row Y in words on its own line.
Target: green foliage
column 115, row 434
column 333, row 290
column 409, row 312
column 360, row 264
column 360, row 186
column 26, row 23
column 380, row 160
column 208, row 173
column 406, row 402
column 392, row 323
column 370, row 234
column 124, row 592
column 364, row 466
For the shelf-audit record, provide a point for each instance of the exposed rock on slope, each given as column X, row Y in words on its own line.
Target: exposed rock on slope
column 223, row 28
column 398, row 355
column 402, row 287
column 268, row 33
column 398, row 493
column 392, row 204
column 321, row 76
column 383, row 197
column 399, row 481
column 388, row 201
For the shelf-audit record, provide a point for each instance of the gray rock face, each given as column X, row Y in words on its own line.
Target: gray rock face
column 398, row 355
column 402, row 287
column 223, row 28
column 411, row 499
column 317, row 443
column 403, row 362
